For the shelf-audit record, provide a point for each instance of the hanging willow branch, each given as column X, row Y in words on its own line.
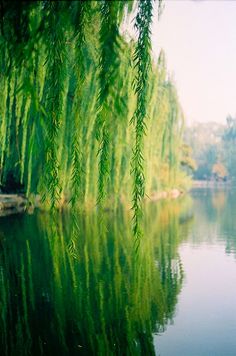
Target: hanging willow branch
column 77, row 149
column 108, row 65
column 56, row 60
column 142, row 59
column 77, row 115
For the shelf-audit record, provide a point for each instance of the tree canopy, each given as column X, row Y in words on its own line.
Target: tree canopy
column 80, row 101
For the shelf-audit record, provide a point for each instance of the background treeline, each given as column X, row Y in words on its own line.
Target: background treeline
column 213, row 148
column 54, row 140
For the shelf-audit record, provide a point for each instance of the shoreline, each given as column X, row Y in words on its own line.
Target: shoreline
column 12, row 204
column 211, row 184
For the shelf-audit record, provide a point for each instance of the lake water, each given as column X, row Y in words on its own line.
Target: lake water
column 74, row 286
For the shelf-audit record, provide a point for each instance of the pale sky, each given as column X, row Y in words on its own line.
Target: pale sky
column 199, row 39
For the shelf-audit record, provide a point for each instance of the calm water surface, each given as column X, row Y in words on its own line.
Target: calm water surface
column 205, row 316
column 74, row 286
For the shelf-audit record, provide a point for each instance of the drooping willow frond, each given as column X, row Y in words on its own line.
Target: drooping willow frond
column 56, row 73
column 108, row 65
column 142, row 59
column 77, row 114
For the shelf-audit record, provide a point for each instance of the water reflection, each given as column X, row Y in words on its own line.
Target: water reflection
column 214, row 210
column 87, row 296
column 205, row 323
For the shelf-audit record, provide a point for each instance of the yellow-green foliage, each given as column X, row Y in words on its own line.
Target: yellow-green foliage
column 82, row 107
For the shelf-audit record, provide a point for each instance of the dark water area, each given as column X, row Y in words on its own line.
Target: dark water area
column 74, row 286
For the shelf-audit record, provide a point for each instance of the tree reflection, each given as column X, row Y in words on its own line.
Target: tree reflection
column 89, row 294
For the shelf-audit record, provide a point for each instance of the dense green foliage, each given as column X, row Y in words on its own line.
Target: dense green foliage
column 82, row 105
column 229, row 147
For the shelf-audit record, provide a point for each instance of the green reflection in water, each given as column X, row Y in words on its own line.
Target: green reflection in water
column 88, row 296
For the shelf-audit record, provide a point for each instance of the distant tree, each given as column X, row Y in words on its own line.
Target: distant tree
column 203, row 172
column 229, row 146
column 219, row 171
column 187, row 160
column 230, row 132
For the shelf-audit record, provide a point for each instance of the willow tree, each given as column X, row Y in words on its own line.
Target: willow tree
column 71, row 84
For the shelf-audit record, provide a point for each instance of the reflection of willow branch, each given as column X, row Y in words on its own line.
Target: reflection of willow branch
column 99, row 300
column 165, row 223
